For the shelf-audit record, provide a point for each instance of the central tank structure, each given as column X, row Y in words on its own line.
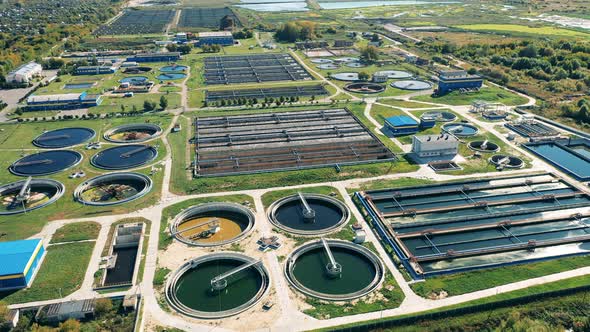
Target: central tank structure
column 27, row 195
column 63, row 138
column 308, row 214
column 124, row 157
column 484, row 146
column 334, row 270
column 45, row 163
column 113, row 189
column 440, row 116
column 132, row 133
column 217, row 285
column 212, row 224
column 460, row 129
column 364, row 87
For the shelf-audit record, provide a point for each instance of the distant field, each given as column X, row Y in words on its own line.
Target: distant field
column 546, row 31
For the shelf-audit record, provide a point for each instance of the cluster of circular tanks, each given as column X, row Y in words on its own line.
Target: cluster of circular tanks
column 107, row 189
column 226, row 283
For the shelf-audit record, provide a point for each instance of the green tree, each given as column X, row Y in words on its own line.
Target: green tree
column 163, row 103
column 364, row 76
column 148, row 106
column 369, row 54
column 70, row 325
column 103, row 306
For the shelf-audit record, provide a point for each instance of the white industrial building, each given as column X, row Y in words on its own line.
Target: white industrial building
column 435, row 145
column 24, row 73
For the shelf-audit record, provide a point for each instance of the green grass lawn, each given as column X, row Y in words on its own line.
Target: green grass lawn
column 114, row 104
column 179, row 143
column 61, row 273
column 87, row 230
column 462, row 283
column 527, row 30
column 490, row 93
column 403, row 103
column 170, row 212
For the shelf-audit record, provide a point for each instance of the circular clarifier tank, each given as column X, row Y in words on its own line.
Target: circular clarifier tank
column 483, row 146
column 346, row 59
column 355, row 64
column 133, row 133
column 217, row 285
column 170, row 76
column 394, row 74
column 328, row 66
column 321, row 61
column 62, row 138
column 124, row 157
column 308, row 214
column 354, row 271
column 44, row 163
column 173, row 69
column 350, row 77
column 212, row 224
column 440, row 116
column 39, row 193
column 134, row 80
column 506, row 161
column 460, row 129
column 365, row 87
column 113, row 188
column 412, row 85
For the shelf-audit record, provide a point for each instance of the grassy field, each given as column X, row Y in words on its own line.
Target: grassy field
column 490, row 93
column 462, row 283
column 170, row 212
column 180, row 150
column 403, row 103
column 87, row 230
column 113, row 104
column 526, row 30
column 61, row 273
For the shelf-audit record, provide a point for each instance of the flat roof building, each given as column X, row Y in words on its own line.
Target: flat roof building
column 435, row 145
column 402, row 125
column 24, row 73
column 223, row 38
column 95, row 70
column 67, row 101
column 452, row 80
column 155, row 57
column 19, row 262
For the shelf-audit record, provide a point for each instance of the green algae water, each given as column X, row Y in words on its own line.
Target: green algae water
column 194, row 288
column 357, row 271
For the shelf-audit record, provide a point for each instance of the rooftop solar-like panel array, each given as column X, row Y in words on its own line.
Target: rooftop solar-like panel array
column 205, row 17
column 134, row 22
column 288, row 91
column 283, row 141
column 253, row 69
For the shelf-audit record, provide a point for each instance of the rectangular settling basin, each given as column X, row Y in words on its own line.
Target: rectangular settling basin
column 458, row 226
column 570, row 156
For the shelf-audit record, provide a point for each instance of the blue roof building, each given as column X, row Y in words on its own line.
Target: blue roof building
column 402, row 125
column 19, row 262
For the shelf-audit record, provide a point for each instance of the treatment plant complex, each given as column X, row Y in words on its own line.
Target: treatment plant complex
column 189, row 165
